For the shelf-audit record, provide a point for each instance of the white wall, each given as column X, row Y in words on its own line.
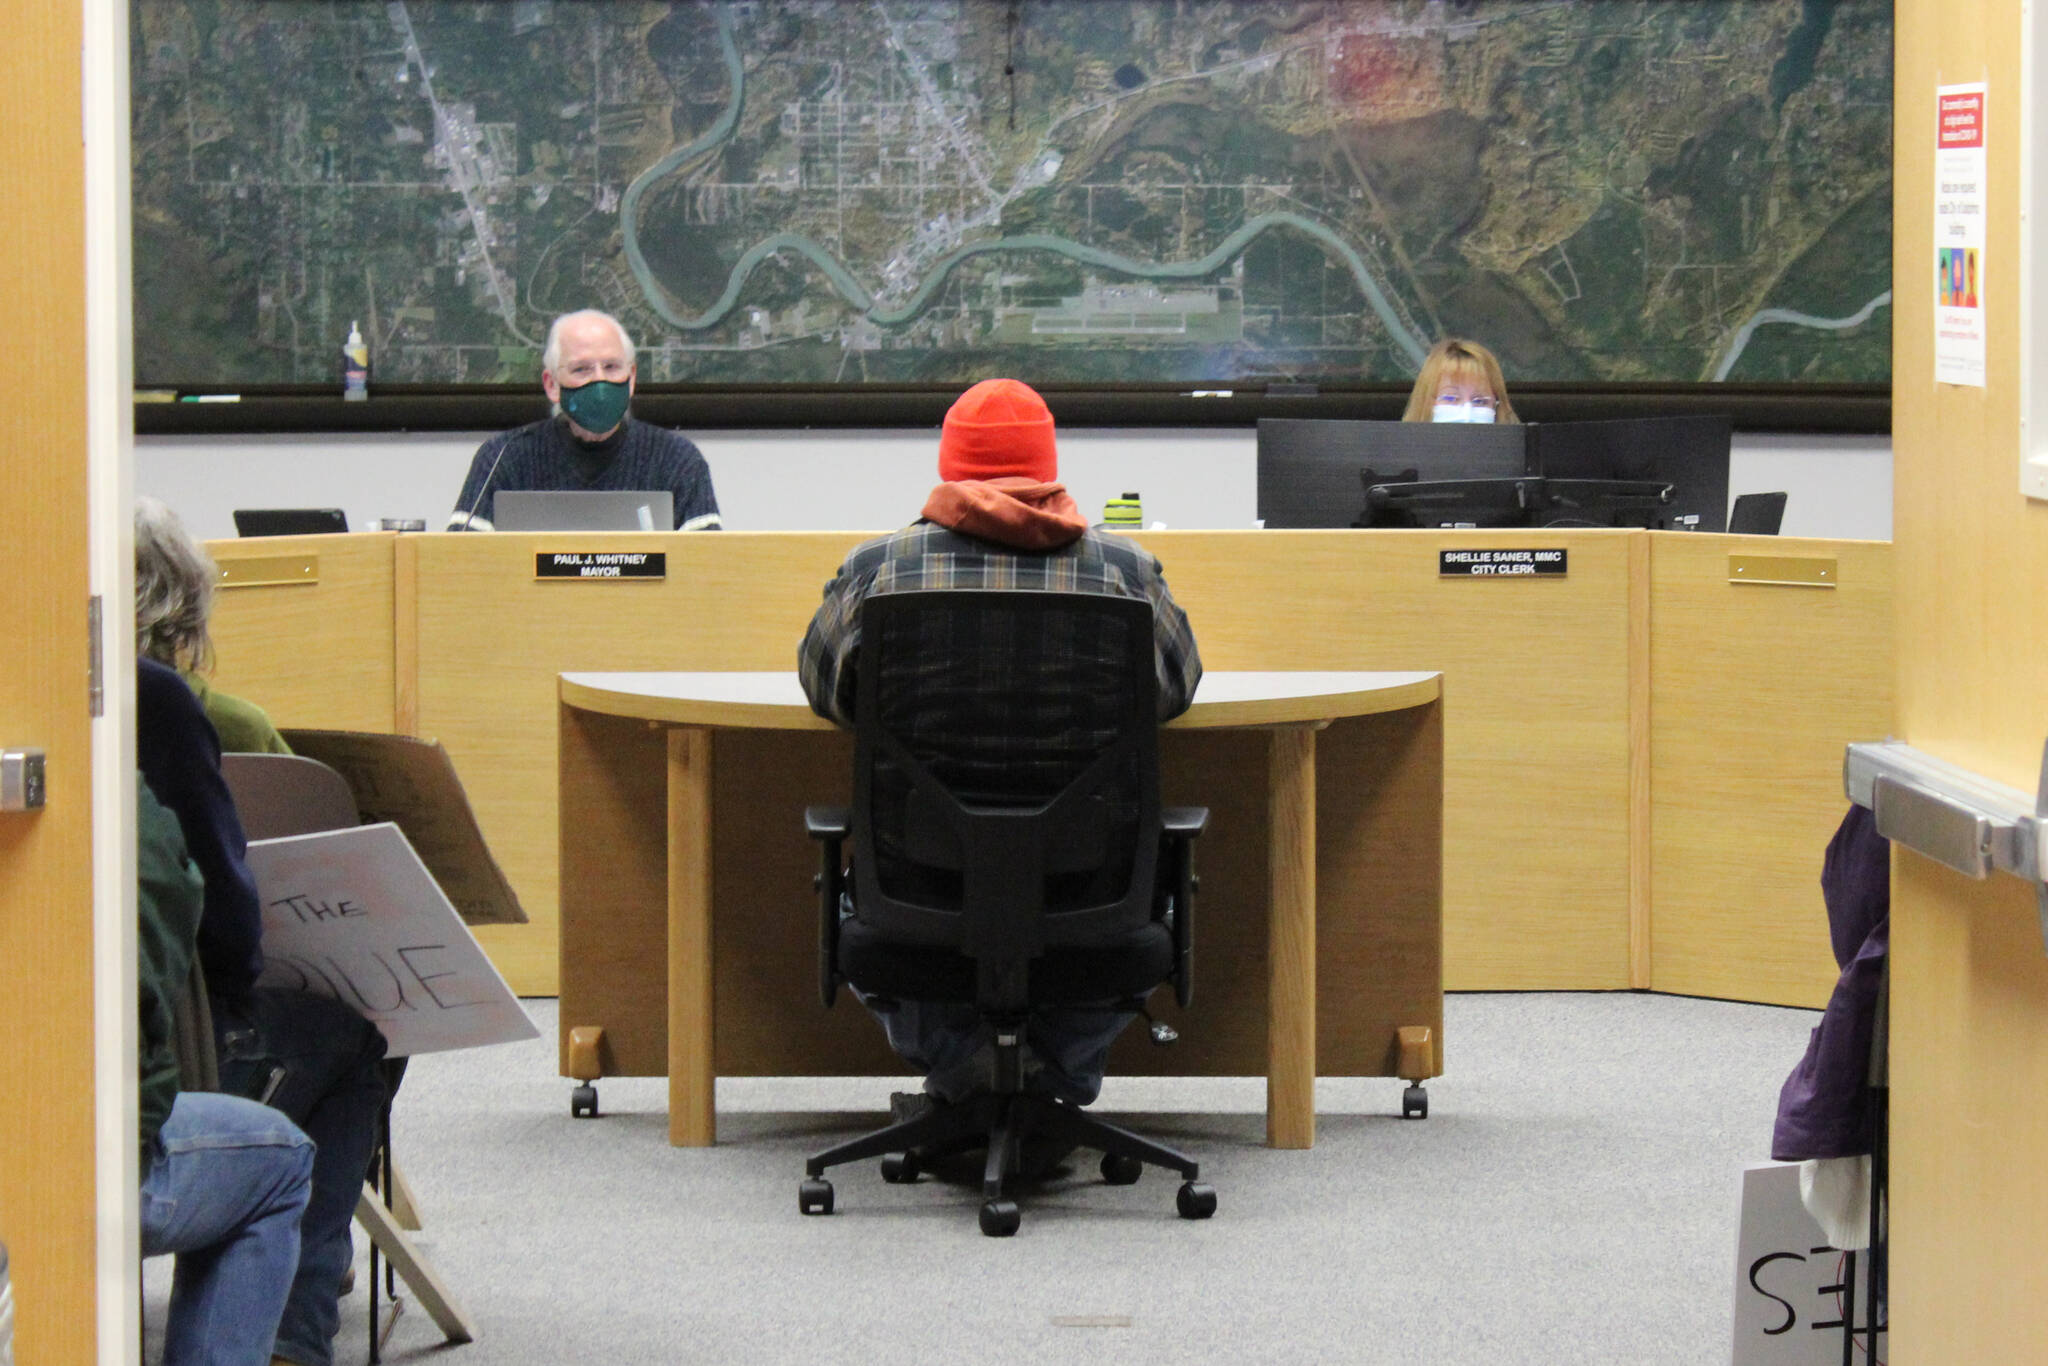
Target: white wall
column 875, row 480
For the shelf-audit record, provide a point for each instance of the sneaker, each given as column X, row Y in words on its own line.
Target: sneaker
column 905, row 1106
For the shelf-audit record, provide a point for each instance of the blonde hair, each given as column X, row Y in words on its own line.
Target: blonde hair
column 174, row 581
column 1455, row 359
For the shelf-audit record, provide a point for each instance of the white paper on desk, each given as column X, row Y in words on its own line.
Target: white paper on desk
column 353, row 914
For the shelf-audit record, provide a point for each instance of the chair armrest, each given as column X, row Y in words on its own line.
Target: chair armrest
column 828, row 825
column 1180, row 825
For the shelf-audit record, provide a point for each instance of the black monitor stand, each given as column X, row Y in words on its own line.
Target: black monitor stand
column 1528, row 501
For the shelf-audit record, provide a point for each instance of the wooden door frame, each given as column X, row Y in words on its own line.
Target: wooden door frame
column 110, row 464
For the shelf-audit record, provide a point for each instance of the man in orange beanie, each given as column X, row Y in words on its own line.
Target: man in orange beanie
column 1000, row 520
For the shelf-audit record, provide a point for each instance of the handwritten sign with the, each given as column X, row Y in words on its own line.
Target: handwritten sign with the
column 354, row 914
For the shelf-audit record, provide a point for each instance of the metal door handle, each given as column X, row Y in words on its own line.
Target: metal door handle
column 21, row 780
column 1949, row 814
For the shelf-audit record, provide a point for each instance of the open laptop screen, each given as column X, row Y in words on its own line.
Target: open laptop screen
column 583, row 510
column 289, row 521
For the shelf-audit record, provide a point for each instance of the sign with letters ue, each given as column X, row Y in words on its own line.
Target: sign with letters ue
column 354, row 914
column 1480, row 564
column 600, row 564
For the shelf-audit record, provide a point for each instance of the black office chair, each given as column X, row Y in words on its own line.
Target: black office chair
column 1028, row 866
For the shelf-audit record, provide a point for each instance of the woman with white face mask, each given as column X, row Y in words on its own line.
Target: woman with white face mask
column 1460, row 382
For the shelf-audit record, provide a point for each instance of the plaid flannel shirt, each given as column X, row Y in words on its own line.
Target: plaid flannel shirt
column 925, row 555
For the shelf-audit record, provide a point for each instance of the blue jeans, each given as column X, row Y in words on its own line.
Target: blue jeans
column 226, row 1185
column 1065, row 1047
column 325, row 1059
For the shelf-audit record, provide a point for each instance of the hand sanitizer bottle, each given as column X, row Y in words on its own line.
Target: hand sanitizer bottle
column 355, row 365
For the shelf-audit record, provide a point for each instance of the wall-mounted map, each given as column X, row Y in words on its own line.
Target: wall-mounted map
column 1073, row 191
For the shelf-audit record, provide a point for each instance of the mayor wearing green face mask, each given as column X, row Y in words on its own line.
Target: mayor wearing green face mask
column 592, row 441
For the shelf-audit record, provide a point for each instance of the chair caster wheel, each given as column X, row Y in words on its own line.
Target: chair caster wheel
column 583, row 1102
column 1415, row 1103
column 1195, row 1200
column 900, row 1169
column 814, row 1197
column 1119, row 1170
column 1000, row 1218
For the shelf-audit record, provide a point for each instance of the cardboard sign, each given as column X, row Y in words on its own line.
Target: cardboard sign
column 412, row 783
column 1790, row 1287
column 353, row 914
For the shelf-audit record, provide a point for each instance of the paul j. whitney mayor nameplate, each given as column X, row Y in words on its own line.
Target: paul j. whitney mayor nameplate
column 1477, row 564
column 600, row 564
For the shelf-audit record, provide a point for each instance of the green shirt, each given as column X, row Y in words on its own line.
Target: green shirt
column 169, row 896
column 244, row 727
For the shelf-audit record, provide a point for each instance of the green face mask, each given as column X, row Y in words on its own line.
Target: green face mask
column 597, row 406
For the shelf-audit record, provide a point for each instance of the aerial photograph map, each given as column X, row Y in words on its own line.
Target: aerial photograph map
column 891, row 192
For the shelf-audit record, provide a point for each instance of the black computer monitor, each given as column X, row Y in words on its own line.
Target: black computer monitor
column 1757, row 514
column 1688, row 453
column 1311, row 469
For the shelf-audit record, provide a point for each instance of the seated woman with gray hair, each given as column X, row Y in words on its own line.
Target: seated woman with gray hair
column 310, row 1057
column 174, row 585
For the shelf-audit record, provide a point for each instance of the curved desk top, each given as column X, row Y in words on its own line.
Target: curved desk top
column 775, row 701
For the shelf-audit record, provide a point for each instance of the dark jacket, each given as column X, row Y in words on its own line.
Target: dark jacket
column 1824, row 1109
column 179, row 755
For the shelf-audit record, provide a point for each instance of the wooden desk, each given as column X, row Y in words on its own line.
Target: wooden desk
column 682, row 847
column 1615, row 815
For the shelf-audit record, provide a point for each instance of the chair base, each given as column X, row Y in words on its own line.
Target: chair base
column 1002, row 1121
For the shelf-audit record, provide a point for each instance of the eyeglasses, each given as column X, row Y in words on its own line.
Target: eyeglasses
column 1485, row 401
column 583, row 370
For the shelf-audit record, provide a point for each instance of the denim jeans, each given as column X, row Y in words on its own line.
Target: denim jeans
column 6, row 1313
column 226, row 1185
column 324, row 1061
column 1066, row 1047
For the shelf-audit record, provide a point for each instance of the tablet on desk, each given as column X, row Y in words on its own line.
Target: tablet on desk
column 584, row 510
column 289, row 521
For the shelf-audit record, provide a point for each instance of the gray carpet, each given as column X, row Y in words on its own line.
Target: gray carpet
column 1571, row 1198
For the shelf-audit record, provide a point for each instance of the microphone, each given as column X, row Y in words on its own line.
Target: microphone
column 466, row 521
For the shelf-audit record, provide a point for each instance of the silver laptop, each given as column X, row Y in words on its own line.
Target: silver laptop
column 583, row 510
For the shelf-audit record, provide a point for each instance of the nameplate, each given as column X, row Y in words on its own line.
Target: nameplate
column 1498, row 564
column 601, row 564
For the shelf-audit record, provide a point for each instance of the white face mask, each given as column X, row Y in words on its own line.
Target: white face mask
column 1455, row 410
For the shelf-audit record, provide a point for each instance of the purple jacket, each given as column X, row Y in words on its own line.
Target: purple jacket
column 1824, row 1109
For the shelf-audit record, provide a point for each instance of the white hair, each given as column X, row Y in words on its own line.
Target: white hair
column 174, row 578
column 551, row 354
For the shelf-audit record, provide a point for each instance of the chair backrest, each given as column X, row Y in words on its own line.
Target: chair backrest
column 1006, row 773
column 287, row 794
column 1757, row 514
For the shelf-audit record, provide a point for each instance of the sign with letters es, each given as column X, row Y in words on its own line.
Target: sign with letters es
column 1482, row 564
column 354, row 915
column 600, row 564
column 1790, row 1287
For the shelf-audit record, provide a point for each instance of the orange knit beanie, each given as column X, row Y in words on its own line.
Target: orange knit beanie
column 999, row 427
